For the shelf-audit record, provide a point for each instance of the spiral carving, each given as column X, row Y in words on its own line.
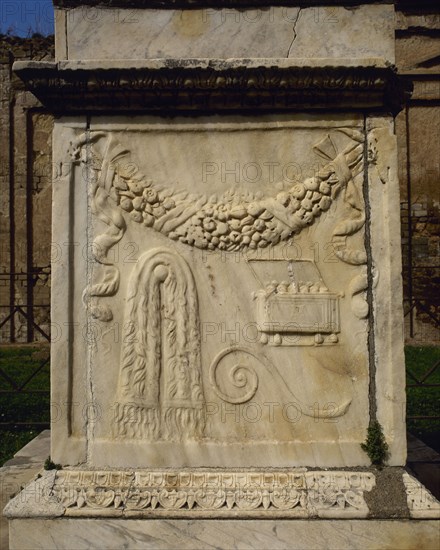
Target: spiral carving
column 240, row 375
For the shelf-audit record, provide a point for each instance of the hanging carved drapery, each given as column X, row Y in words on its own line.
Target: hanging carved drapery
column 160, row 389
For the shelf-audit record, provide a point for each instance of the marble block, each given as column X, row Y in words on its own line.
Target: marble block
column 41, row 534
column 205, row 493
column 222, row 300
column 226, row 283
column 83, row 32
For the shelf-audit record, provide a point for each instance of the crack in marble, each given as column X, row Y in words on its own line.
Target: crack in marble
column 294, row 32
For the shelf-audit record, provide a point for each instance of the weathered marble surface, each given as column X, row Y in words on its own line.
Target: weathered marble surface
column 12, row 479
column 421, row 503
column 223, row 207
column 63, row 534
column 227, row 293
column 17, row 472
column 337, row 32
column 385, row 283
column 215, row 85
column 294, row 493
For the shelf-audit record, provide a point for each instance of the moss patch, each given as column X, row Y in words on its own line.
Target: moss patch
column 375, row 445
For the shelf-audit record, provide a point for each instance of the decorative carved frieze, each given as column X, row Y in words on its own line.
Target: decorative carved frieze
column 274, row 493
column 188, row 4
column 421, row 503
column 214, row 85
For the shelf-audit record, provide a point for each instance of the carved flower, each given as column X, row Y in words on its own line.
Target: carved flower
column 306, row 204
column 298, row 191
column 197, row 232
column 150, row 196
column 324, row 187
column 135, row 186
column 259, row 225
column 311, row 184
column 372, row 153
column 209, row 224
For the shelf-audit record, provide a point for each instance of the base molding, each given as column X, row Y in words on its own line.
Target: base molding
column 196, row 493
column 181, row 508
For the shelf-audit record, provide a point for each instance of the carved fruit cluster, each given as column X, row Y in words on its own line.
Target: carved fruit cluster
column 300, row 287
column 235, row 220
column 137, row 196
column 238, row 224
column 230, row 225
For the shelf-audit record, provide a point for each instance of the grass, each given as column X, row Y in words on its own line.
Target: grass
column 423, row 401
column 19, row 362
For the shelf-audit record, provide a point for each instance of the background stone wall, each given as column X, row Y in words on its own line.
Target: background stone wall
column 25, row 197
column 418, row 133
column 25, row 183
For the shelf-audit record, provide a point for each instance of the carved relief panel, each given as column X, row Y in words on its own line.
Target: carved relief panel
column 226, row 281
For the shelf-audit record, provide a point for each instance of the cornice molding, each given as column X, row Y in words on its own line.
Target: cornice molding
column 200, row 4
column 212, row 85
